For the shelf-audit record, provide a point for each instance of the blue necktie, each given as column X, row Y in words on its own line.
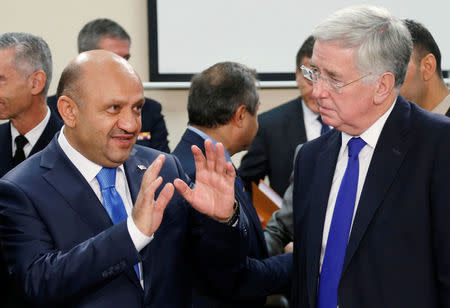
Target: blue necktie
column 111, row 199
column 325, row 128
column 340, row 229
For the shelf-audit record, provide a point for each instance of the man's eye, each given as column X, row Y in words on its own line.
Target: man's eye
column 113, row 108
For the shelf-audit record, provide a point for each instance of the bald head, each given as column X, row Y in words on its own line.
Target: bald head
column 100, row 101
column 89, row 69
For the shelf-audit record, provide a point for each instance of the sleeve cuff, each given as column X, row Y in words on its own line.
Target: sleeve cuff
column 140, row 240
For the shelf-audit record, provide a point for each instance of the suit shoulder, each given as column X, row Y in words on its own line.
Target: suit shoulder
column 151, row 104
column 26, row 171
column 279, row 113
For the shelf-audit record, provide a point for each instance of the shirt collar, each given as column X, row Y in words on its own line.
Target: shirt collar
column 443, row 106
column 206, row 136
column 34, row 134
column 371, row 135
column 87, row 168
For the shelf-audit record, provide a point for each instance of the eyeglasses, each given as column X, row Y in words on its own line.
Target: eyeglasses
column 314, row 76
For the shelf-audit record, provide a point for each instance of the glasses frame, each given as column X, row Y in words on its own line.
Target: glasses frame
column 314, row 76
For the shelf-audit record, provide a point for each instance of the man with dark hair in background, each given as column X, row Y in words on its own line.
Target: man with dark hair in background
column 25, row 75
column 424, row 83
column 222, row 107
column 281, row 130
column 107, row 34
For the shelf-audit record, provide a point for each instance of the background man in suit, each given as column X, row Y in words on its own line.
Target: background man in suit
column 281, row 130
column 424, row 83
column 371, row 201
column 279, row 231
column 25, row 75
column 106, row 34
column 222, row 106
column 69, row 228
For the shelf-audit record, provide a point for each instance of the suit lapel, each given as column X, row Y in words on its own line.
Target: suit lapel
column 53, row 126
column 321, row 186
column 393, row 144
column 72, row 187
column 6, row 162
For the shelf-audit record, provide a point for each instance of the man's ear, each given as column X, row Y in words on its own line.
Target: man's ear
column 239, row 115
column 298, row 77
column 68, row 110
column 384, row 88
column 428, row 66
column 37, row 80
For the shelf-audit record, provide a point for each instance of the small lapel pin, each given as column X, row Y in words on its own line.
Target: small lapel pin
column 142, row 167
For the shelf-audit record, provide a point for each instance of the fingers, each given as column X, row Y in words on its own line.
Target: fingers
column 153, row 171
column 231, row 172
column 220, row 158
column 200, row 161
column 183, row 189
column 210, row 155
column 164, row 197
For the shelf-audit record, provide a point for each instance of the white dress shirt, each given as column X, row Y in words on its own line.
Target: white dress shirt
column 89, row 170
column 370, row 136
column 32, row 136
column 312, row 126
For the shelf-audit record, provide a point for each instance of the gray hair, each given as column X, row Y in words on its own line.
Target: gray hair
column 91, row 34
column 31, row 54
column 383, row 42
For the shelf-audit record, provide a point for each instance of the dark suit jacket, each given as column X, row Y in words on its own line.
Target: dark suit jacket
column 257, row 248
column 399, row 247
column 280, row 130
column 54, row 124
column 7, row 293
column 152, row 122
column 63, row 249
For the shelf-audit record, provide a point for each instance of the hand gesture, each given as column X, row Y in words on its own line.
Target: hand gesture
column 147, row 212
column 213, row 193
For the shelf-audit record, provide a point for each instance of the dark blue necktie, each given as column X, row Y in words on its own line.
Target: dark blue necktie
column 339, row 229
column 325, row 128
column 111, row 199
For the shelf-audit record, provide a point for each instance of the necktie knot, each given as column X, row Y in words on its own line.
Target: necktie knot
column 107, row 177
column 354, row 146
column 20, row 141
column 325, row 128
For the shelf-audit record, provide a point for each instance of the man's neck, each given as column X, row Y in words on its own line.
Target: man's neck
column 28, row 119
column 220, row 134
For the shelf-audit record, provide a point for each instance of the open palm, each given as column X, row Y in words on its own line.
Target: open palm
column 213, row 193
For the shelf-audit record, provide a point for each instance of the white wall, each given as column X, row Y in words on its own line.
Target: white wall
column 59, row 22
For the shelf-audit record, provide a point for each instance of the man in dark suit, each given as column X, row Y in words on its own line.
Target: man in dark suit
column 424, row 83
column 371, row 201
column 222, row 106
column 106, row 34
column 25, row 75
column 70, row 231
column 281, row 130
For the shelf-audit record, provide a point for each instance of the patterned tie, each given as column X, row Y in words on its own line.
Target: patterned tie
column 325, row 128
column 19, row 156
column 111, row 199
column 339, row 229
